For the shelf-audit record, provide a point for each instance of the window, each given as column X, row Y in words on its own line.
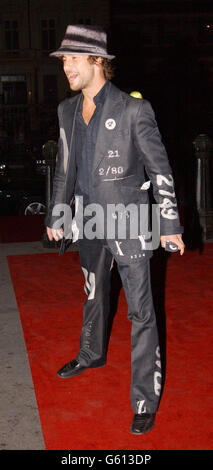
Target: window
column 13, row 78
column 48, row 41
column 11, row 35
column 149, row 33
column 50, row 89
column 14, row 89
column 205, row 31
column 171, row 31
column 86, row 21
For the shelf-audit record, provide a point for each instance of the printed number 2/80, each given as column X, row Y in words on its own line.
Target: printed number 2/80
column 111, row 170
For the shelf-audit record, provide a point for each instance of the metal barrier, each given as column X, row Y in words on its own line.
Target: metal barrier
column 203, row 152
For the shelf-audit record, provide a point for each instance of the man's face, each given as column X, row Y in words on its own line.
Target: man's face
column 78, row 70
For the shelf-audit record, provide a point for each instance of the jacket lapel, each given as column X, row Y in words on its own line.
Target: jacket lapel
column 69, row 116
column 109, row 124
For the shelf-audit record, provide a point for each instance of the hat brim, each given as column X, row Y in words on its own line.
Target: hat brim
column 61, row 52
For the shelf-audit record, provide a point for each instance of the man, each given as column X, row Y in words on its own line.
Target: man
column 107, row 140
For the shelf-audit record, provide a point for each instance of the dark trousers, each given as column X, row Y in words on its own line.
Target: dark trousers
column 96, row 262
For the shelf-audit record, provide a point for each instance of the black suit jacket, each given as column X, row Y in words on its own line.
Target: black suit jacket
column 128, row 143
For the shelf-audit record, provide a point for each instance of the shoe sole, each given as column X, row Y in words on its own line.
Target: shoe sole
column 72, row 375
column 77, row 372
column 141, row 433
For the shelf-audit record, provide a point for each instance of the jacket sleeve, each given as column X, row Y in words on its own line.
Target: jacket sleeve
column 149, row 144
column 58, row 192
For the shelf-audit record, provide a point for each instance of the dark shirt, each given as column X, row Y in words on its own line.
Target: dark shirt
column 85, row 140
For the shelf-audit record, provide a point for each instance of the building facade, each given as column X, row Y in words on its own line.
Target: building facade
column 165, row 50
column 31, row 83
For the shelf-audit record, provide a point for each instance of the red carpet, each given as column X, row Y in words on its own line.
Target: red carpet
column 21, row 228
column 93, row 411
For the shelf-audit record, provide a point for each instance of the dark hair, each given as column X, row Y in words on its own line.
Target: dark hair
column 108, row 67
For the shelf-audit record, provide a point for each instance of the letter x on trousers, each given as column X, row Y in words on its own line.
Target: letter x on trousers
column 96, row 262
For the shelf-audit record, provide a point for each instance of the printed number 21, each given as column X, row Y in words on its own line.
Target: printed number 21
column 112, row 153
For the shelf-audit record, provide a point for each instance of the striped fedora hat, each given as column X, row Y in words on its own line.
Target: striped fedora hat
column 84, row 40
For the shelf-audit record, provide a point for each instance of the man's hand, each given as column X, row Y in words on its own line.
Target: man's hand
column 177, row 239
column 54, row 234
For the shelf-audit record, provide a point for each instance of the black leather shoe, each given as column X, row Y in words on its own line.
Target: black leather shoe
column 71, row 369
column 142, row 423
